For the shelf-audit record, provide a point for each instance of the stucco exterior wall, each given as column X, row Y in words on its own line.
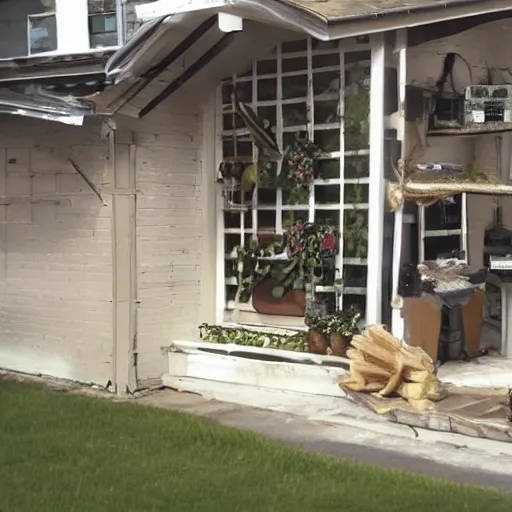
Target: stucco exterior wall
column 486, row 45
column 55, row 251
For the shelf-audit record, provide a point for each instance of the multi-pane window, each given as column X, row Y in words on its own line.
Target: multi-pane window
column 319, row 90
column 443, row 231
column 102, row 23
column 42, row 33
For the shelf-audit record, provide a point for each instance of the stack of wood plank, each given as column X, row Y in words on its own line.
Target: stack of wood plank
column 380, row 364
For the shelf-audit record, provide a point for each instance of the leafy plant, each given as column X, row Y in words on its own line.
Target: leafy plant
column 249, row 338
column 308, row 247
column 344, row 322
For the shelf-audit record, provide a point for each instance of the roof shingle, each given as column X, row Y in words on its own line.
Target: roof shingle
column 336, row 10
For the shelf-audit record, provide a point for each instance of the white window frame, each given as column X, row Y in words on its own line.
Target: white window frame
column 376, row 183
column 29, row 42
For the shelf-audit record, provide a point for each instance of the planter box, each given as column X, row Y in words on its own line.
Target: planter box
column 258, row 368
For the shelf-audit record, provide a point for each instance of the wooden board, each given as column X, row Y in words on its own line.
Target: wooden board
column 476, row 413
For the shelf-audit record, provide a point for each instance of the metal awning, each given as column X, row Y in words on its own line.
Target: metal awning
column 55, row 88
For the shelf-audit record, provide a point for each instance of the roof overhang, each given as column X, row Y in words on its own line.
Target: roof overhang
column 332, row 19
column 55, row 88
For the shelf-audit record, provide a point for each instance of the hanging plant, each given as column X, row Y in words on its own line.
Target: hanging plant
column 308, row 246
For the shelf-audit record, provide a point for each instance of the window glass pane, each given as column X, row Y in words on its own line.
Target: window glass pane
column 324, row 45
column 328, row 140
column 294, row 46
column 289, row 218
column 96, row 6
column 321, row 61
column 295, row 86
column 295, row 114
column 266, row 67
column 354, row 276
column 110, row 24
column 327, row 112
column 298, row 64
column 328, row 217
column 266, row 220
column 267, row 89
column 326, row 83
column 97, row 24
column 355, row 233
column 327, row 169
column 356, row 193
column 327, row 194
column 357, row 166
column 43, row 34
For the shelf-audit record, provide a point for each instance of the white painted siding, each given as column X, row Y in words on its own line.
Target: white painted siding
column 481, row 46
column 55, row 251
column 169, row 237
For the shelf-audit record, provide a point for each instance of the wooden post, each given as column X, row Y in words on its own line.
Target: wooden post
column 377, row 182
column 397, row 320
column 124, row 270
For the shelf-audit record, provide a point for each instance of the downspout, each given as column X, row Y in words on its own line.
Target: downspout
column 121, row 22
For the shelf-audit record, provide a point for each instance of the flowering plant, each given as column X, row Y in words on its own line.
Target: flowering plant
column 299, row 168
column 311, row 242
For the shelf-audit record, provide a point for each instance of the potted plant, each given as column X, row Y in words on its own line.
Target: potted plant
column 333, row 331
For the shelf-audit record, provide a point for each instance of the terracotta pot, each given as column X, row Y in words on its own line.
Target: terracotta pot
column 339, row 344
column 317, row 342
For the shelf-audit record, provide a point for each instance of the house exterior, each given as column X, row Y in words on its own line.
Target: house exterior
column 99, row 273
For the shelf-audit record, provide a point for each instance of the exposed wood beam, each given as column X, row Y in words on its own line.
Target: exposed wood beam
column 174, row 55
column 199, row 64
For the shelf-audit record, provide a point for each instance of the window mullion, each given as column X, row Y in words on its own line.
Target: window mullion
column 341, row 107
column 279, row 138
column 311, row 122
column 255, row 153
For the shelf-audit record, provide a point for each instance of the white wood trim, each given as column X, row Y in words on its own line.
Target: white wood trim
column 220, row 290
column 279, row 137
column 421, row 227
column 377, row 182
column 342, row 181
column 311, row 123
column 464, row 226
column 286, row 376
column 209, row 244
column 192, row 347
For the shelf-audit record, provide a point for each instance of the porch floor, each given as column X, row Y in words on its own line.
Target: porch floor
column 482, row 372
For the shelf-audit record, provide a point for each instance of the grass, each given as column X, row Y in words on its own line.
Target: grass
column 65, row 453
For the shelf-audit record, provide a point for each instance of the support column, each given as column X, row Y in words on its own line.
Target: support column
column 397, row 320
column 377, row 182
column 124, row 272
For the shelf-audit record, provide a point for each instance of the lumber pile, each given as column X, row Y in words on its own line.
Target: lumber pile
column 380, row 364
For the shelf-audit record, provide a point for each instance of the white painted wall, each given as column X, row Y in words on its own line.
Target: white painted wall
column 72, row 26
column 172, row 282
column 481, row 46
column 55, row 252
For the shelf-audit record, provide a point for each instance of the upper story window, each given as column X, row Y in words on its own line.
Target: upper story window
column 37, row 27
column 318, row 91
column 42, row 33
column 102, row 23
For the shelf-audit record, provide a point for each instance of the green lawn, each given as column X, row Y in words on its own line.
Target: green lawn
column 60, row 452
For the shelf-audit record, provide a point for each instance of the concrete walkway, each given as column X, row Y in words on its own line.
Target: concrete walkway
column 356, row 434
